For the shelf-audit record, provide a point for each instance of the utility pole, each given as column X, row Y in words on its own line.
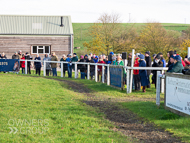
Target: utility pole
column 129, row 17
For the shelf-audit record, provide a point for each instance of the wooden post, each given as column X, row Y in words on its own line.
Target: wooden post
column 96, row 74
column 26, row 66
column 102, row 74
column 108, row 75
column 44, row 68
column 128, row 85
column 88, row 71
column 61, row 69
column 131, row 74
column 76, row 73
column 158, row 89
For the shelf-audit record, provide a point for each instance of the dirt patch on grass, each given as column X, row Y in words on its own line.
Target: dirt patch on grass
column 126, row 121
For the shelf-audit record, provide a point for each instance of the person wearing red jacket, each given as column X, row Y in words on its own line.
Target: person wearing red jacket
column 22, row 63
column 136, row 76
column 101, row 61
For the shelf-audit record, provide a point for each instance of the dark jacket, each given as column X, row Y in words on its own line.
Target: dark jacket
column 82, row 67
column 129, row 62
column 3, row 57
column 15, row 56
column 143, row 73
column 148, row 64
column 28, row 57
column 37, row 65
column 74, row 59
column 65, row 67
column 177, row 68
column 170, row 67
column 159, row 64
column 170, row 53
column 92, row 67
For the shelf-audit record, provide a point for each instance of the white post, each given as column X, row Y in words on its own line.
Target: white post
column 131, row 79
column 76, row 73
column 158, row 89
column 26, row 67
column 61, row 69
column 188, row 52
column 102, row 74
column 88, row 71
column 44, row 68
column 108, row 75
column 162, row 83
column 96, row 74
column 128, row 86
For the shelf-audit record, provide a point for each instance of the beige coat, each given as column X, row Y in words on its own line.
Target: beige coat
column 54, row 58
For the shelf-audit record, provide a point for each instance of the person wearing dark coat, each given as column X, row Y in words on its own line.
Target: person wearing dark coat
column 143, row 73
column 82, row 67
column 37, row 65
column 65, row 67
column 169, row 54
column 92, row 67
column 148, row 64
column 28, row 57
column 157, row 63
column 177, row 67
column 15, row 56
column 171, row 63
column 3, row 56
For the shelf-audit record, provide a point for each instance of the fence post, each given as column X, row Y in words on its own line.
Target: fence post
column 96, row 75
column 188, row 52
column 128, row 86
column 102, row 74
column 108, row 75
column 61, row 69
column 162, row 83
column 158, row 89
column 88, row 71
column 26, row 67
column 131, row 74
column 44, row 68
column 76, row 73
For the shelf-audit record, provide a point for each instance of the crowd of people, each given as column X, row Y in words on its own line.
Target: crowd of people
column 141, row 78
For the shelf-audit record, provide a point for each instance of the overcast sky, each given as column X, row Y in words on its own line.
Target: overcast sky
column 83, row 11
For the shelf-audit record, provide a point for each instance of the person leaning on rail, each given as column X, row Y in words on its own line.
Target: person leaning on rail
column 177, row 67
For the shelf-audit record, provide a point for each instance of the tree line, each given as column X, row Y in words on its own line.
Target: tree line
column 109, row 34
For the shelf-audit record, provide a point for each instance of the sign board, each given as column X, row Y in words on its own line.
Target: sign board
column 116, row 76
column 7, row 65
column 177, row 95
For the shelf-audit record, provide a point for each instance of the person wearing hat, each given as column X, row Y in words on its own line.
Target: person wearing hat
column 74, row 59
column 96, row 59
column 3, row 56
column 69, row 65
column 136, row 76
column 37, row 65
column 177, row 67
column 148, row 64
column 143, row 73
column 82, row 67
column 171, row 63
column 15, row 56
column 157, row 63
column 54, row 65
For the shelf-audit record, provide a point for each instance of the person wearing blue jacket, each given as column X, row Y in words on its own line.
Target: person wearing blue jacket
column 162, row 59
column 69, row 65
column 37, row 65
column 96, row 59
column 143, row 73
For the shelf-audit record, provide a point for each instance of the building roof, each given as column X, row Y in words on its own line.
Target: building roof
column 35, row 25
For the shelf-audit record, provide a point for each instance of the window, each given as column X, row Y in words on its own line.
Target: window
column 40, row 50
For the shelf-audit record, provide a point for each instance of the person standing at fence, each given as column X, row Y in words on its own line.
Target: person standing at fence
column 74, row 59
column 92, row 67
column 100, row 67
column 48, row 65
column 157, row 63
column 148, row 64
column 54, row 65
column 136, row 76
column 22, row 63
column 65, row 68
column 169, row 54
column 69, row 65
column 3, row 56
column 82, row 67
column 162, row 59
column 96, row 59
column 15, row 56
column 20, row 54
column 143, row 73
column 119, row 62
column 38, row 65
column 28, row 57
column 177, row 67
column 171, row 63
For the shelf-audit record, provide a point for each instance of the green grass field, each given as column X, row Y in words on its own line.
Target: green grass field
column 70, row 120
column 81, row 32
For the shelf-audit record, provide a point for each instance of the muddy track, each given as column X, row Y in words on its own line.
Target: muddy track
column 126, row 122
